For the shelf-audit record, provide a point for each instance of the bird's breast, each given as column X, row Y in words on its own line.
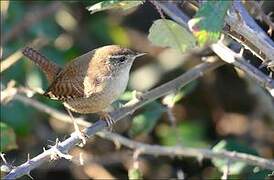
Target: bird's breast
column 106, row 93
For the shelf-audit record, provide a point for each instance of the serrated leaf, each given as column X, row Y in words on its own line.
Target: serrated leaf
column 230, row 145
column 134, row 173
column 167, row 33
column 208, row 22
column 113, row 4
column 8, row 138
column 145, row 122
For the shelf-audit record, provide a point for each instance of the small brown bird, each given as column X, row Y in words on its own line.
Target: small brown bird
column 89, row 83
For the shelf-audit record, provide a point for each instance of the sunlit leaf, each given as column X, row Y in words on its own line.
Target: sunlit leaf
column 209, row 21
column 134, row 173
column 230, row 145
column 145, row 121
column 167, row 33
column 8, row 138
column 113, row 4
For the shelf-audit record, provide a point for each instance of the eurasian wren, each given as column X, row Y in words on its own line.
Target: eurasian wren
column 91, row 82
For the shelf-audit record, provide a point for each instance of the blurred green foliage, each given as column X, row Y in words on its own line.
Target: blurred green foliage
column 7, row 138
column 147, row 119
column 237, row 168
column 134, row 173
column 188, row 133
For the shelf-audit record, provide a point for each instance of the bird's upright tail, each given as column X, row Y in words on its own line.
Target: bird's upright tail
column 49, row 68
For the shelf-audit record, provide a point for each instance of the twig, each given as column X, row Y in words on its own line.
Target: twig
column 259, row 13
column 175, row 13
column 157, row 150
column 250, row 159
column 253, row 36
column 30, row 18
column 129, row 108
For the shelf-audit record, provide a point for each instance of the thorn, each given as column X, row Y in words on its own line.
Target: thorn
column 259, row 17
column 28, row 160
column 117, row 144
column 260, row 4
column 136, row 155
column 57, row 153
column 264, row 64
column 28, row 174
column 44, row 149
column 200, row 159
column 269, row 31
column 270, row 14
column 241, row 52
column 3, row 158
column 81, row 159
column 56, row 142
column 137, row 95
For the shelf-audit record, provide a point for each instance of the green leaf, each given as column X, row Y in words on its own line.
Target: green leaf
column 8, row 138
column 167, row 33
column 231, row 145
column 145, row 122
column 134, row 173
column 113, row 4
column 209, row 21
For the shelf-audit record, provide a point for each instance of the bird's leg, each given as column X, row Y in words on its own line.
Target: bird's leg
column 106, row 117
column 80, row 134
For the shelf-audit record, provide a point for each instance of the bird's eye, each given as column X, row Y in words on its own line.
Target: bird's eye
column 122, row 59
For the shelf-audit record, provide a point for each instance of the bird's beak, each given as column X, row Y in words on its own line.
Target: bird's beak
column 139, row 54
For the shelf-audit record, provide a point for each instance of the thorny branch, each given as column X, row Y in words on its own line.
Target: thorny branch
column 62, row 148
column 252, row 35
column 256, row 8
column 243, row 27
column 66, row 145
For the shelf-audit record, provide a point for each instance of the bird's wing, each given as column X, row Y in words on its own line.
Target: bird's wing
column 72, row 81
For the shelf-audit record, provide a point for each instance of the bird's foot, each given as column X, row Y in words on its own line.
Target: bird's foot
column 106, row 117
column 82, row 136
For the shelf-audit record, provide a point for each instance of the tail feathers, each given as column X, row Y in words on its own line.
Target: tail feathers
column 49, row 68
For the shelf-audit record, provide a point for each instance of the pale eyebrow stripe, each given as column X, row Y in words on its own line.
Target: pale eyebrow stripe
column 116, row 56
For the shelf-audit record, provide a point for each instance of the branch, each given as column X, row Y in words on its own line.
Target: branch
column 233, row 58
column 253, row 36
column 149, row 149
column 257, row 10
column 61, row 148
column 157, row 150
